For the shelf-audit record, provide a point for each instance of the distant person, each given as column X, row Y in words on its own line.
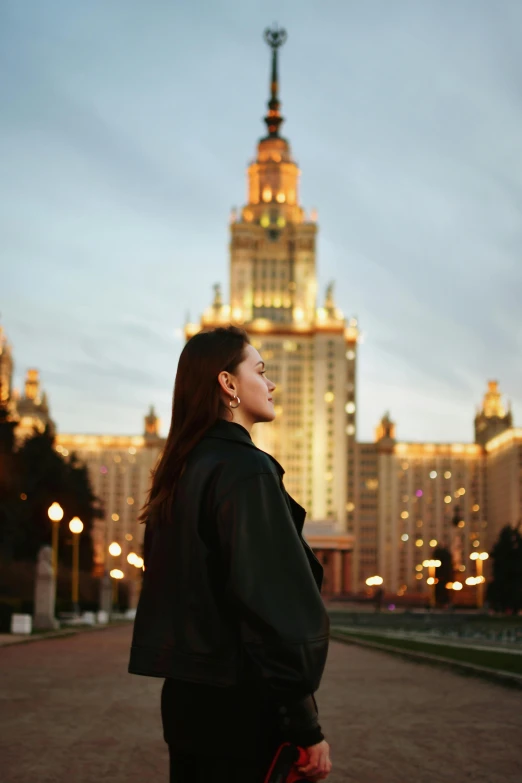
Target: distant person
column 378, row 598
column 230, row 612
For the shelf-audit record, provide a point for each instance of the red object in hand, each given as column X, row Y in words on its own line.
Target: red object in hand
column 284, row 767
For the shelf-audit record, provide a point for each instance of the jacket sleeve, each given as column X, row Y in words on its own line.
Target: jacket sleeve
column 284, row 625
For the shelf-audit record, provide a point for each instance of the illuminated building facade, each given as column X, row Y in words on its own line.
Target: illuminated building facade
column 309, row 351
column 119, row 468
column 413, row 497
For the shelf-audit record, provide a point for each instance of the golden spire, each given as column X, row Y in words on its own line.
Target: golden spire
column 274, row 38
column 492, row 405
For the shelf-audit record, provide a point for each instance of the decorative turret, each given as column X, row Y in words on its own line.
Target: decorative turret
column 32, row 386
column 217, row 304
column 33, row 408
column 385, row 433
column 152, row 425
column 493, row 418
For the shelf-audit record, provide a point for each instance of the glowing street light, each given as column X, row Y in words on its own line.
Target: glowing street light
column 55, row 513
column 479, row 557
column 115, row 549
column 374, row 581
column 76, row 527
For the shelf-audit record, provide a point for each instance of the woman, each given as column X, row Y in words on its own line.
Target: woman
column 230, row 612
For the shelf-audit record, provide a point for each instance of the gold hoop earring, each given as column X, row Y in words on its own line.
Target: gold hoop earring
column 238, row 402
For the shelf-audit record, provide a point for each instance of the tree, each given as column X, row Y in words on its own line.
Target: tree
column 42, row 476
column 505, row 589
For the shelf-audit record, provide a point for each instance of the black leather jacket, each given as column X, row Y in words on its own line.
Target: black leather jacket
column 231, row 591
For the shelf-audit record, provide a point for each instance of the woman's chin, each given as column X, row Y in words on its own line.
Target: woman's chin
column 267, row 416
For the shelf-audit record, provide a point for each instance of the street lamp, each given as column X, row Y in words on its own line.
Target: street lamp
column 76, row 527
column 115, row 549
column 456, row 586
column 374, row 581
column 431, row 580
column 479, row 557
column 55, row 513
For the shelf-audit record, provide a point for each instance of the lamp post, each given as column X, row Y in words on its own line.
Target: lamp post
column 431, row 580
column 55, row 514
column 76, row 527
column 376, row 582
column 479, row 558
column 116, row 574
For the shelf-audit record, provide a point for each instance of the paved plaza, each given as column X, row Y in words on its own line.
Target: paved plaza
column 70, row 713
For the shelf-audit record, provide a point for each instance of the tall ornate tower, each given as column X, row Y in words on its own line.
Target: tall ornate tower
column 310, row 352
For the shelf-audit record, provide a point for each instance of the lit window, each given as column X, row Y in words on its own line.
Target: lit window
column 329, row 397
column 265, row 221
column 447, row 474
column 404, row 537
column 433, row 542
column 350, row 430
column 281, row 198
column 419, row 542
column 267, row 194
column 115, row 517
column 447, row 499
column 433, row 474
column 350, row 355
column 350, row 407
column 130, row 501
column 405, row 515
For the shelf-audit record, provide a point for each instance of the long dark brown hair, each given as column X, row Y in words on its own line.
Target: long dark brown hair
column 196, row 406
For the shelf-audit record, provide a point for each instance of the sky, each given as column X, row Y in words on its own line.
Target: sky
column 125, row 132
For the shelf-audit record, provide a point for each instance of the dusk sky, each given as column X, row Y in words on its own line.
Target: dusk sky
column 126, row 128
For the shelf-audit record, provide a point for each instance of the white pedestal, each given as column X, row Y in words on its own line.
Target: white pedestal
column 21, row 623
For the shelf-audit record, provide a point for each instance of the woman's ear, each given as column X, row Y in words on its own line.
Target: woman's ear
column 226, row 382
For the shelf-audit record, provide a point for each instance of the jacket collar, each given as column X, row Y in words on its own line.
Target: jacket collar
column 230, row 430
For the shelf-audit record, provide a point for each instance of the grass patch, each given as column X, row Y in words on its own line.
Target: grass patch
column 494, row 659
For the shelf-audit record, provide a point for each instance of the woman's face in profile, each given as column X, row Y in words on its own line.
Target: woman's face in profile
column 254, row 388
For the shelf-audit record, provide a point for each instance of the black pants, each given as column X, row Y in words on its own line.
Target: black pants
column 189, row 768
